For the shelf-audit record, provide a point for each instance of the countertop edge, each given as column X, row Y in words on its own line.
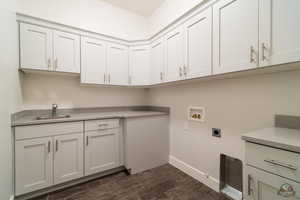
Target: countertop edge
column 272, row 144
column 66, row 120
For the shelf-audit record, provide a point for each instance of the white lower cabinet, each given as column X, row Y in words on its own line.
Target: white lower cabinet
column 68, row 157
column 101, row 151
column 33, row 164
column 265, row 186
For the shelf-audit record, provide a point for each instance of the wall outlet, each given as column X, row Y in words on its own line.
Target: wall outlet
column 216, row 132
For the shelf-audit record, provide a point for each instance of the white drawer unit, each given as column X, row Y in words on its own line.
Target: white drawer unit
column 102, row 146
column 101, row 124
column 277, row 161
column 261, row 185
column 271, row 173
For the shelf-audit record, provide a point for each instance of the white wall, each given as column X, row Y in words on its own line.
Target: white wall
column 41, row 91
column 236, row 106
column 93, row 15
column 168, row 12
column 9, row 92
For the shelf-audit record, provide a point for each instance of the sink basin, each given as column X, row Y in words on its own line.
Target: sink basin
column 52, row 117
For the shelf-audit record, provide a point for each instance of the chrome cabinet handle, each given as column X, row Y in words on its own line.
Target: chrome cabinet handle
column 161, row 76
column 108, row 78
column 56, row 145
column 286, row 190
column 252, row 52
column 129, row 79
column 49, row 63
column 104, row 78
column 263, row 49
column 278, row 163
column 101, row 125
column 87, row 140
column 49, row 146
column 55, row 63
column 184, row 70
column 250, row 190
column 180, row 71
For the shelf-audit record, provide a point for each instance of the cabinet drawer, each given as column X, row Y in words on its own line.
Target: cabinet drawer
column 101, row 124
column 277, row 161
column 46, row 130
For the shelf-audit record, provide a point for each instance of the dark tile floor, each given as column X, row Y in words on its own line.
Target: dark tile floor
column 161, row 183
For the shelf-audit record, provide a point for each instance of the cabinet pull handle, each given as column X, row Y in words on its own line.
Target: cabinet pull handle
column 101, row 125
column 49, row 146
column 263, row 49
column 249, row 185
column 55, row 63
column 278, row 163
column 252, row 51
column 130, row 80
column 56, row 145
column 109, row 78
column 161, row 76
column 87, row 140
column 184, row 70
column 180, row 71
column 104, row 78
column 49, row 63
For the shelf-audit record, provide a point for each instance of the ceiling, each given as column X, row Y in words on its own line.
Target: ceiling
column 142, row 7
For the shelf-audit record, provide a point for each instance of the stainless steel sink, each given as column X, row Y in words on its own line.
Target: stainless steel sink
column 52, row 117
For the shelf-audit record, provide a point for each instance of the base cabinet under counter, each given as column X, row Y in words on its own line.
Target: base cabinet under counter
column 51, row 154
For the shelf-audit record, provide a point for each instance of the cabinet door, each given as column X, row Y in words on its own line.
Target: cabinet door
column 235, row 35
column 33, row 161
column 157, row 62
column 66, row 52
column 198, row 45
column 117, row 65
column 101, row 151
column 139, row 66
column 261, row 185
column 35, row 47
column 68, row 157
column 279, row 32
column 174, row 55
column 93, row 61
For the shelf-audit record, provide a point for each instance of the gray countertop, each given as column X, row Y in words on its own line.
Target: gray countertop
column 283, row 138
column 29, row 117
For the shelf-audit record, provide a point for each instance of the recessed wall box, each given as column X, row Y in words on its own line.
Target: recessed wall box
column 196, row 114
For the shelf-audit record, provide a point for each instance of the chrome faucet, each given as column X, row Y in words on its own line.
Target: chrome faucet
column 54, row 109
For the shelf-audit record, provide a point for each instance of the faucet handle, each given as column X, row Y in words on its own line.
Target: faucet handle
column 54, row 105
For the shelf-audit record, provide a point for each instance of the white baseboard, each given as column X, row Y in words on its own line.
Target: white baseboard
column 195, row 173
column 12, row 197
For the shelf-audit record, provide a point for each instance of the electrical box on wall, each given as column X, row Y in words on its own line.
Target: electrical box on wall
column 196, row 114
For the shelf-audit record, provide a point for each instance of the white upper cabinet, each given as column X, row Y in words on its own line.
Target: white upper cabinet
column 198, row 45
column 34, row 162
column 66, row 52
column 35, row 47
column 139, row 65
column 117, row 64
column 174, row 55
column 93, row 61
column 157, row 62
column 279, row 32
column 235, row 35
column 68, row 157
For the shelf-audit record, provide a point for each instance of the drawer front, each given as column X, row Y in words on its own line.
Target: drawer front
column 277, row 161
column 101, row 124
column 47, row 130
